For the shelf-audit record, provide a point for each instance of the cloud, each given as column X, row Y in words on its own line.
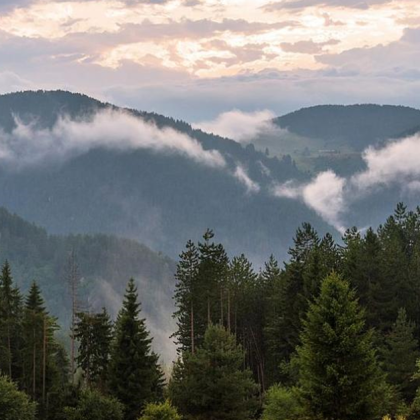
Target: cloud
column 238, row 125
column 8, row 5
column 116, row 130
column 383, row 74
column 307, row 47
column 397, row 59
column 325, row 194
column 241, row 175
column 394, row 164
column 302, row 4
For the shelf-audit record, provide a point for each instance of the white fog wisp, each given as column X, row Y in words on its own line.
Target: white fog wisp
column 242, row 176
column 237, row 125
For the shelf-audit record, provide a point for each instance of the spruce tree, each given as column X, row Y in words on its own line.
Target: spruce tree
column 245, row 313
column 284, row 325
column 339, row 374
column 94, row 334
column 39, row 349
column 400, row 355
column 134, row 371
column 10, row 324
column 272, row 329
column 187, row 300
column 212, row 275
column 212, row 384
column 201, row 292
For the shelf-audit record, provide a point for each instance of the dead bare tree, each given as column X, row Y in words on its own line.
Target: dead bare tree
column 73, row 280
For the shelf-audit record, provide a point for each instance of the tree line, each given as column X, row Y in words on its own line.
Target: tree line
column 332, row 335
column 115, row 375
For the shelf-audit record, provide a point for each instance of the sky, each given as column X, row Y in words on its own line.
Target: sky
column 197, row 59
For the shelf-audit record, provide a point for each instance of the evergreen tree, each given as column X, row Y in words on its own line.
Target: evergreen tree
column 339, row 374
column 10, row 324
column 201, row 293
column 400, row 355
column 94, row 334
column 273, row 324
column 212, row 275
column 187, row 300
column 133, row 374
column 39, row 349
column 212, row 384
column 290, row 300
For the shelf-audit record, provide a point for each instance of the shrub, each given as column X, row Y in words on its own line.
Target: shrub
column 162, row 411
column 282, row 403
column 14, row 404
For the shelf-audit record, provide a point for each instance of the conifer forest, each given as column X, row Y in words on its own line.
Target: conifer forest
column 332, row 334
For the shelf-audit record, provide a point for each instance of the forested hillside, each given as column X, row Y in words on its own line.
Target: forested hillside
column 352, row 127
column 104, row 264
column 334, row 334
column 157, row 198
column 76, row 165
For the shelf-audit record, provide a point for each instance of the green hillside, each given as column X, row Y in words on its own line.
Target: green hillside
column 105, row 265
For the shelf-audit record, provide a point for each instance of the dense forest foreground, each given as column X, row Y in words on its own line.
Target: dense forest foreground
column 332, row 335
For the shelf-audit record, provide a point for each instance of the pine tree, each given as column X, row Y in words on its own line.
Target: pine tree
column 212, row 275
column 133, row 368
column 291, row 303
column 400, row 355
column 212, row 384
column 187, row 300
column 339, row 374
column 39, row 348
column 94, row 334
column 10, row 324
column 272, row 330
column 246, row 311
column 201, row 293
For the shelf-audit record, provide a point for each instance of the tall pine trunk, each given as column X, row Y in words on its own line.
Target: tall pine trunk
column 192, row 329
column 221, row 307
column 228, row 310
column 44, row 361
column 9, row 348
column 208, row 312
column 34, row 367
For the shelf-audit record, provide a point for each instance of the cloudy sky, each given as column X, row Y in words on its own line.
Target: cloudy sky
column 195, row 59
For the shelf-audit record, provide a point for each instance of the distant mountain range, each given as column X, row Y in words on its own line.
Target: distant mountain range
column 163, row 199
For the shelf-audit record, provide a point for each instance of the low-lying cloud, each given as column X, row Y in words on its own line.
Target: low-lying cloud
column 28, row 145
column 242, row 176
column 325, row 194
column 330, row 196
column 237, row 125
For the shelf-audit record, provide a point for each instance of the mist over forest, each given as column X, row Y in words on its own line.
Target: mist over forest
column 235, row 245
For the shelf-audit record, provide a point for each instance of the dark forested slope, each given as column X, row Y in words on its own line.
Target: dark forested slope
column 354, row 126
column 160, row 199
column 105, row 265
